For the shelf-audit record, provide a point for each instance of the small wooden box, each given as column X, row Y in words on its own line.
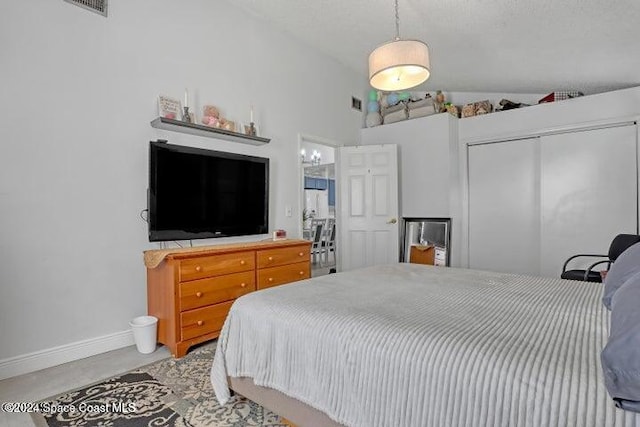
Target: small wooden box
column 420, row 254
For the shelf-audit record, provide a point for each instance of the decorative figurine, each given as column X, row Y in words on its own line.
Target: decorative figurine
column 186, row 116
column 439, row 103
column 252, row 129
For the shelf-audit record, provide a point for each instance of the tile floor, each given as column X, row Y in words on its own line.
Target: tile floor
column 319, row 271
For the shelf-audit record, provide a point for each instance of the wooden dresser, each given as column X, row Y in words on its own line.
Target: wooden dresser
column 190, row 290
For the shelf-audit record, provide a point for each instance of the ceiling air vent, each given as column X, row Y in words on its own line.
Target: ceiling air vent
column 97, row 6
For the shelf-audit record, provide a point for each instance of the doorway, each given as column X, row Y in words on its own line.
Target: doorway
column 318, row 201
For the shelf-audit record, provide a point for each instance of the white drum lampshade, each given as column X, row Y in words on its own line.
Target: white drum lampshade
column 399, row 65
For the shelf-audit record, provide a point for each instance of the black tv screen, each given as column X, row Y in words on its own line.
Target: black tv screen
column 199, row 194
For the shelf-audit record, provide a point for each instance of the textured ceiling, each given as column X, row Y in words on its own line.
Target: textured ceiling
column 526, row 46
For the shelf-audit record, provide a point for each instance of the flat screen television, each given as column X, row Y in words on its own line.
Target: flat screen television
column 200, row 194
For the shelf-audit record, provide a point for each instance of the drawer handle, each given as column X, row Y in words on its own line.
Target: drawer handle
column 198, row 268
column 243, row 285
column 243, row 262
column 302, row 273
column 271, row 279
column 301, row 254
column 198, row 294
column 270, row 258
column 200, row 322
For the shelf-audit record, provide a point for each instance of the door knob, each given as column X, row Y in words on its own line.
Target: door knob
column 392, row 221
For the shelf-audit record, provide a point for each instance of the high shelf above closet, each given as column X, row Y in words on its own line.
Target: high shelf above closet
column 207, row 131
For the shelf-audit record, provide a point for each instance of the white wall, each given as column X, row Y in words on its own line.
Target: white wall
column 423, row 153
column 79, row 92
column 427, row 169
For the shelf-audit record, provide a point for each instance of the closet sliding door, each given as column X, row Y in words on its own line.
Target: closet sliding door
column 589, row 193
column 504, row 206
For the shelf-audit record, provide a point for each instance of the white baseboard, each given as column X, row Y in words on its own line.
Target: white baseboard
column 35, row 361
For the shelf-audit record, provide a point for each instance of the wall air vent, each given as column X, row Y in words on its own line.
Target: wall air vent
column 97, row 6
column 356, row 103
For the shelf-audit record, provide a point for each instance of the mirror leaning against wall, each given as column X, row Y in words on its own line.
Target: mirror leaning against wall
column 319, row 205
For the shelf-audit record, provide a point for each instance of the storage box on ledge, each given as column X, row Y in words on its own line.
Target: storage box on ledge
column 560, row 96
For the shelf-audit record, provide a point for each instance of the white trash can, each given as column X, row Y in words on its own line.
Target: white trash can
column 145, row 332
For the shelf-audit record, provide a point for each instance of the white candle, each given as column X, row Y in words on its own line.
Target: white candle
column 186, row 98
column 252, row 114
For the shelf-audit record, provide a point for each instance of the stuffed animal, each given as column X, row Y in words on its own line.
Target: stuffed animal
column 469, row 110
column 483, row 107
column 373, row 117
column 439, row 103
column 452, row 109
column 211, row 116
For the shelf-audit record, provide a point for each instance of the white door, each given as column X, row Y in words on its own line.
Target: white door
column 589, row 193
column 368, row 222
column 504, row 231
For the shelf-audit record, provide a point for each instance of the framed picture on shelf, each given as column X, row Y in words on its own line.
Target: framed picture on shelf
column 169, row 108
column 245, row 129
column 227, row 124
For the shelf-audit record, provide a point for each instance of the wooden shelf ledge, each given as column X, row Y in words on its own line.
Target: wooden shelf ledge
column 206, row 131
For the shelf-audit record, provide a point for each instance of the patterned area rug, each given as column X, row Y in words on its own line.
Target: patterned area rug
column 166, row 393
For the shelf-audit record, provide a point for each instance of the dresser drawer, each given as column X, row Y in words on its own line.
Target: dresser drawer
column 275, row 276
column 283, row 256
column 212, row 290
column 201, row 267
column 202, row 321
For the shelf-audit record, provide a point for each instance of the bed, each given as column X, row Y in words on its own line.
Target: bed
column 414, row 345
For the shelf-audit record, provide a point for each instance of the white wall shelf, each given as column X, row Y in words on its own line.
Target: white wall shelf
column 206, row 131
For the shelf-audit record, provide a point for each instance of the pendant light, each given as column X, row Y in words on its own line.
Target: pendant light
column 400, row 64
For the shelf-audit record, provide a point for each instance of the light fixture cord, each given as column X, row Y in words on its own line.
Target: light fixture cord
column 397, row 22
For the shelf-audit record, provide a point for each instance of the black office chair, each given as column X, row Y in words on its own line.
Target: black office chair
column 619, row 244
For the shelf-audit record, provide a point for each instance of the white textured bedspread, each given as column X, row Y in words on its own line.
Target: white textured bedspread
column 412, row 345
